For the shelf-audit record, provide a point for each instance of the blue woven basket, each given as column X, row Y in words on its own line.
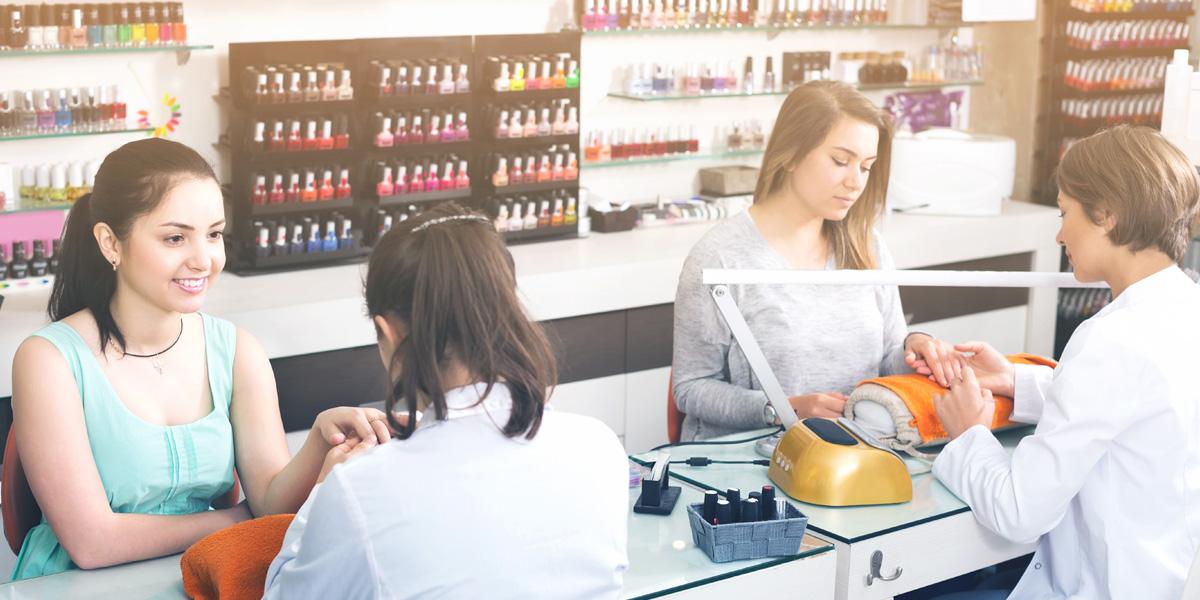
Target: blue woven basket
column 742, row 541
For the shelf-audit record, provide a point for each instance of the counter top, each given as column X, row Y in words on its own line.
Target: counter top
column 318, row 310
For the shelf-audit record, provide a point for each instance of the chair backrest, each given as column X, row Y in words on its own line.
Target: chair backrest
column 674, row 415
column 20, row 508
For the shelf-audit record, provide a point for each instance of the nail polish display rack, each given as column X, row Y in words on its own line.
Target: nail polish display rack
column 362, row 155
column 1076, row 45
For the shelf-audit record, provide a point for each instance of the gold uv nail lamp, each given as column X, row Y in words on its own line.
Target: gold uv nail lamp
column 835, row 463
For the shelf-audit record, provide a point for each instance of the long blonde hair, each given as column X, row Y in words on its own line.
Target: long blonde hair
column 807, row 116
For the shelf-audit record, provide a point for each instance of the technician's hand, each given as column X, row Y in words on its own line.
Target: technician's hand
column 337, row 425
column 829, row 406
column 992, row 369
column 933, row 358
column 344, row 452
column 964, row 405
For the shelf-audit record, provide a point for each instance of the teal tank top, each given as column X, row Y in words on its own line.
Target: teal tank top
column 145, row 468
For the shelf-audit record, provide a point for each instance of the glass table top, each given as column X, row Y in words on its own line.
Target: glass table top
column 663, row 559
column 931, row 500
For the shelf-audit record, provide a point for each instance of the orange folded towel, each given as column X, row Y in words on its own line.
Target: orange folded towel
column 917, row 392
column 231, row 564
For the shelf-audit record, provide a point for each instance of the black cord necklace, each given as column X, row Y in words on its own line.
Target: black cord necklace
column 157, row 363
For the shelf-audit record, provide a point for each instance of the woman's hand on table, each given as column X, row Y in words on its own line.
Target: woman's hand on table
column 827, row 405
column 933, row 358
column 993, row 371
column 964, row 405
column 340, row 424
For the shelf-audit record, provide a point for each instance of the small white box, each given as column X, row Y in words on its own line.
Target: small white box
column 951, row 172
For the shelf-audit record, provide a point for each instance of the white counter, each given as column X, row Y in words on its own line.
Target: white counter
column 319, row 310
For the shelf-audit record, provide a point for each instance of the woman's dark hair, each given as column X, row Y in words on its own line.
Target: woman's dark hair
column 131, row 182
column 454, row 287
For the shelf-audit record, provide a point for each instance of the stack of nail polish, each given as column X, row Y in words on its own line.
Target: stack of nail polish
column 421, row 175
column 295, row 186
column 416, row 78
column 610, row 15
column 83, row 26
column 24, row 265
column 1131, row 6
column 1116, row 74
column 68, row 110
column 520, row 73
column 699, row 79
column 303, row 235
column 556, row 163
column 1101, row 35
column 297, row 84
column 330, row 132
column 1141, row 109
column 428, row 126
column 534, row 120
column 57, row 183
column 539, row 211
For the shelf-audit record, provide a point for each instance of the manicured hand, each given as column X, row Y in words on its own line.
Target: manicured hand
column 964, row 405
column 337, row 425
column 829, row 405
column 933, row 358
column 992, row 369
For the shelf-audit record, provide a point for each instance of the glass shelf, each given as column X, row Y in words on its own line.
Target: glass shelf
column 36, row 208
column 58, row 134
column 771, row 29
column 866, row 87
column 629, row 162
column 119, row 50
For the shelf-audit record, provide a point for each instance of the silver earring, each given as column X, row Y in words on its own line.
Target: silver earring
column 114, row 264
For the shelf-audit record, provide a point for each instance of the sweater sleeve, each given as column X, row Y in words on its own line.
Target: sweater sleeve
column 700, row 368
column 895, row 327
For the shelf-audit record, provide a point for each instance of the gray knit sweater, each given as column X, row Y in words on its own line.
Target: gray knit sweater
column 816, row 338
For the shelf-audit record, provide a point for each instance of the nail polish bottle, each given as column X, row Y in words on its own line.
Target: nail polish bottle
column 431, row 85
column 346, row 239
column 432, row 182
column 326, row 191
column 78, row 33
column 447, row 84
column 573, row 75
column 329, row 90
column 557, row 217
column 502, row 82
column 137, row 26
column 295, row 93
column 517, row 175
column 277, row 195
column 500, row 177
column 295, row 141
column 500, row 222
column 570, row 216
column 400, row 130
column 515, row 222
column 277, row 141
column 48, row 17
column 502, row 125
column 531, row 125
column 531, row 218
column 571, row 171
column 768, row 86
column 258, row 197
column 544, row 173
column 557, row 173
column 296, row 241
column 401, row 179
column 311, row 140
column 58, row 184
column 45, row 113
column 449, row 132
column 150, row 14
column 435, row 130
column 572, row 127
column 309, row 194
column 515, row 130
column 314, row 236
column 463, row 180
column 108, row 26
column 417, row 133
column 312, row 92
column 447, row 182
column 384, row 139
column 605, row 154
column 531, row 76
column 341, row 137
column 258, row 141
column 343, row 187
column 62, row 26
column 178, row 26
column 416, row 185
column 461, row 132
column 330, row 243
column 345, row 89
column 166, row 32
column 293, row 189
column 543, row 218
column 517, row 83
column 559, row 80
column 462, row 85
column 118, row 109
column 544, row 128
column 385, row 82
column 124, row 26
column 385, row 187
column 325, row 142
column 41, row 187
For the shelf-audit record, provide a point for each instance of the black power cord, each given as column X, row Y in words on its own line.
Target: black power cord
column 704, row 461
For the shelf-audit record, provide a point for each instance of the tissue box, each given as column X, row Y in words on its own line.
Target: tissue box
column 728, row 181
column 613, row 221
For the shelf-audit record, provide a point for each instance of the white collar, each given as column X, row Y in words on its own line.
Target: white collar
column 466, row 401
column 1148, row 287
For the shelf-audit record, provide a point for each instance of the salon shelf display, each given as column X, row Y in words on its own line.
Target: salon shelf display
column 655, row 160
column 866, row 87
column 59, row 134
column 421, row 198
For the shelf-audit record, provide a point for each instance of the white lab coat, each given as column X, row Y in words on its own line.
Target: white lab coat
column 1109, row 483
column 461, row 511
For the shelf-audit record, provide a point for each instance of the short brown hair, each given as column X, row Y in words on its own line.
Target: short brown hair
column 1144, row 181
column 454, row 286
column 807, row 116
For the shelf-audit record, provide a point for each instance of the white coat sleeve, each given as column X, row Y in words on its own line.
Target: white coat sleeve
column 326, row 551
column 1024, row 496
column 1032, row 383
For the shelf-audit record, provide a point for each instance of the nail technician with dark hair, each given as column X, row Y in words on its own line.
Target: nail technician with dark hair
column 488, row 493
column 132, row 408
column 820, row 191
column 1108, row 485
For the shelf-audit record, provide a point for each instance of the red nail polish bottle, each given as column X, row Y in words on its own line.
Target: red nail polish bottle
column 343, row 188
column 432, row 183
column 416, row 185
column 447, row 182
column 310, row 187
column 417, row 133
column 278, row 140
column 435, row 130
column 295, row 143
column 385, row 187
column 311, row 140
column 259, row 197
column 277, row 195
column 401, row 136
column 293, row 191
column 463, row 181
column 402, row 179
column 326, row 141
column 258, row 143
column 326, row 192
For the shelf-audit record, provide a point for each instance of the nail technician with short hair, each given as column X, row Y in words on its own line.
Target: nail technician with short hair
column 1109, row 482
column 820, row 192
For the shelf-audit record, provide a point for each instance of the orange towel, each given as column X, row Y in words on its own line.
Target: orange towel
column 917, row 392
column 231, row 564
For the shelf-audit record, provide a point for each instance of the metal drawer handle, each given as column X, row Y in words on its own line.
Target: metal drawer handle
column 876, row 564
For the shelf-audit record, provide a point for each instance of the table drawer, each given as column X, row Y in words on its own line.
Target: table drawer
column 809, row 578
column 924, row 554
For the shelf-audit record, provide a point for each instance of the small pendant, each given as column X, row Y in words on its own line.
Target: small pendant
column 157, row 365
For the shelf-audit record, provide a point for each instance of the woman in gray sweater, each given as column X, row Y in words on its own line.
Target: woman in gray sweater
column 821, row 188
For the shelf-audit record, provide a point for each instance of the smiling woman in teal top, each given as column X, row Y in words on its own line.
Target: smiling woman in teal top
column 132, row 409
